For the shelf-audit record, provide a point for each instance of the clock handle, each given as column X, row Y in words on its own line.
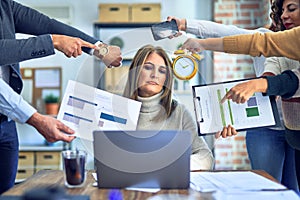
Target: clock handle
column 178, row 52
column 197, row 56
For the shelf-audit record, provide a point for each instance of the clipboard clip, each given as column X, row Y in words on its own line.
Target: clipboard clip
column 198, row 110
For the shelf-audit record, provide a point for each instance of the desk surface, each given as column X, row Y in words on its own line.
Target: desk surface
column 55, row 178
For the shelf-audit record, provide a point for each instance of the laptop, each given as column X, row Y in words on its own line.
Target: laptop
column 143, row 159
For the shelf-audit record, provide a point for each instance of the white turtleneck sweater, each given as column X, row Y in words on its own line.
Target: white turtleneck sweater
column 180, row 119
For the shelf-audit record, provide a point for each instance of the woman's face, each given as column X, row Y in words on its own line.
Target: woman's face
column 152, row 76
column 290, row 14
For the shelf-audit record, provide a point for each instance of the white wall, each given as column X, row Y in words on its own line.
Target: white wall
column 84, row 13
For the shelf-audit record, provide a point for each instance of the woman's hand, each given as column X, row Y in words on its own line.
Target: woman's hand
column 226, row 132
column 241, row 93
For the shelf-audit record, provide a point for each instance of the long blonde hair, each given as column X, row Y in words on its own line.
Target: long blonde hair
column 131, row 88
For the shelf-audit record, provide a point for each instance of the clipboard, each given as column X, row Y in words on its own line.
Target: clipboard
column 212, row 116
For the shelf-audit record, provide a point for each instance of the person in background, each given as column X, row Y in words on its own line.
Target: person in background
column 286, row 14
column 267, row 148
column 47, row 35
column 257, row 44
column 267, row 44
column 277, row 44
column 285, row 84
column 150, row 81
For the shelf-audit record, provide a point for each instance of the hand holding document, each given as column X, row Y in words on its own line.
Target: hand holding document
column 213, row 114
column 85, row 109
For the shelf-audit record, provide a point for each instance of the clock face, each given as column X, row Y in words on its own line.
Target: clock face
column 184, row 67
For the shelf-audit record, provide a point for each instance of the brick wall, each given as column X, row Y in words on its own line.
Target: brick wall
column 231, row 153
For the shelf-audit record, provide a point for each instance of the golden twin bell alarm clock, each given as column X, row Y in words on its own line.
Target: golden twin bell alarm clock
column 185, row 65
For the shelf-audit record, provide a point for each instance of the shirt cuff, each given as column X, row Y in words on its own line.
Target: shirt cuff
column 22, row 113
column 92, row 50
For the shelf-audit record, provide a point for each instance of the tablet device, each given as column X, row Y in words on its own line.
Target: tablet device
column 212, row 116
column 164, row 29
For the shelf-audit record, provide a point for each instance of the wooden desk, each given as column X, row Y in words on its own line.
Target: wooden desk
column 55, row 178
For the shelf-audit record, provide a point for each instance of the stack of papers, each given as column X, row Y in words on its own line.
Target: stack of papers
column 238, row 185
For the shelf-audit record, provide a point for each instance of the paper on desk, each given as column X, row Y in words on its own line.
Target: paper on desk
column 151, row 190
column 85, row 109
column 258, row 195
column 232, row 182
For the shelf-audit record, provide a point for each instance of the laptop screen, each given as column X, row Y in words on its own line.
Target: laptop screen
column 148, row 159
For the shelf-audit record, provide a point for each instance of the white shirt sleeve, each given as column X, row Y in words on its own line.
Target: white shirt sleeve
column 13, row 105
column 209, row 29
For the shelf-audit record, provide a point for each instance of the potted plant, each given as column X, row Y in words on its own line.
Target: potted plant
column 51, row 104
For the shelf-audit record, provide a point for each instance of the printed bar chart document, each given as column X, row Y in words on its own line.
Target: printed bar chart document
column 212, row 116
column 85, row 109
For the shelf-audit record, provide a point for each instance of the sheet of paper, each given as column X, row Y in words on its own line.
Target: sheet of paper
column 258, row 195
column 232, row 182
column 151, row 190
column 212, row 116
column 85, row 109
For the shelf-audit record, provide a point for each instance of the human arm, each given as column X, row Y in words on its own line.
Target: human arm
column 285, row 85
column 16, row 108
column 50, row 128
column 29, row 21
column 257, row 44
column 198, row 45
column 22, row 19
column 295, row 80
column 112, row 58
column 241, row 92
column 209, row 29
column 13, row 105
column 267, row 44
column 71, row 47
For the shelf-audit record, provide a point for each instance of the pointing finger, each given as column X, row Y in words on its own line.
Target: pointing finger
column 89, row 45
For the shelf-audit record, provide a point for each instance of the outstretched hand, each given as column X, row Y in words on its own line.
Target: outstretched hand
column 181, row 24
column 52, row 129
column 241, row 92
column 70, row 46
column 193, row 45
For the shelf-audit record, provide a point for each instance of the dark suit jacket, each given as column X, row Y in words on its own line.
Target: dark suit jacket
column 16, row 18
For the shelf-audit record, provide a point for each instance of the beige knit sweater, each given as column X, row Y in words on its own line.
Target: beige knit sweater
column 180, row 119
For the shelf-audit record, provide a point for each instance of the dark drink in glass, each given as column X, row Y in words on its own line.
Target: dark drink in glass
column 74, row 167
